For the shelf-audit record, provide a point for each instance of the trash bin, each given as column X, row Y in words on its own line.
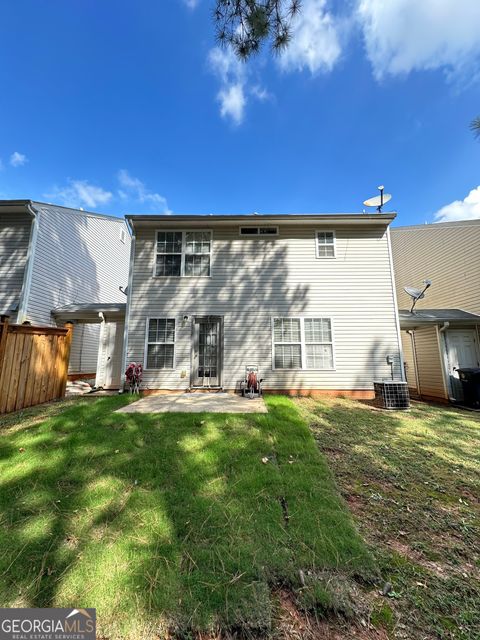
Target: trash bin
column 470, row 379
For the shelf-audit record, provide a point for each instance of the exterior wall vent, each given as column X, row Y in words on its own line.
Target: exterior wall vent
column 258, row 231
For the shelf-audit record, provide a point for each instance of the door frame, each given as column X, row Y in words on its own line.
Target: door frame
column 103, row 350
column 220, row 321
column 446, row 354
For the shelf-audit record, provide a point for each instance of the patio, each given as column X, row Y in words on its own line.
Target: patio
column 195, row 403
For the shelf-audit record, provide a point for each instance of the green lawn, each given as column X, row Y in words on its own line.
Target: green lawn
column 172, row 521
column 412, row 481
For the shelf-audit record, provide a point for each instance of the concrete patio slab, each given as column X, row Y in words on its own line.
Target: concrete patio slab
column 196, row 403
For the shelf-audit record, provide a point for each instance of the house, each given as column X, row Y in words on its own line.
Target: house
column 59, row 264
column 308, row 299
column 442, row 334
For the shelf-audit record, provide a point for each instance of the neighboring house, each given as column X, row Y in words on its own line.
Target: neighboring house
column 52, row 257
column 309, row 299
column 443, row 333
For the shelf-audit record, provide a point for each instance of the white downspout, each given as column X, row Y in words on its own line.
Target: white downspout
column 394, row 293
column 27, row 276
column 411, row 333
column 127, row 310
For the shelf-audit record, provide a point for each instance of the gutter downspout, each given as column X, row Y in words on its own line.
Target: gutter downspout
column 27, row 277
column 444, row 359
column 411, row 333
column 395, row 304
column 129, row 299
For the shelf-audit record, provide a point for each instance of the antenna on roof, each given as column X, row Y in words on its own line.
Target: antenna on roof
column 417, row 294
column 378, row 201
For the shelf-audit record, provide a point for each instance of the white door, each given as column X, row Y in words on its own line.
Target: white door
column 462, row 351
column 113, row 352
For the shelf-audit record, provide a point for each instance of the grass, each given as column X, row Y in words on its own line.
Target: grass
column 412, row 481
column 172, row 523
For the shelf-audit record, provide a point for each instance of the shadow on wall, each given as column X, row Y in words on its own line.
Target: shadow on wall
column 255, row 283
column 253, row 280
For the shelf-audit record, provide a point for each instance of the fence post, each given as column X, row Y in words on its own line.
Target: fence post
column 66, row 355
column 3, row 339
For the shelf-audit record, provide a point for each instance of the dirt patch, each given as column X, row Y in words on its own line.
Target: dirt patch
column 294, row 624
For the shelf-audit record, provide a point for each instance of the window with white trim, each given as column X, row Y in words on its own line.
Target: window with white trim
column 183, row 253
column 302, row 343
column 287, row 343
column 318, row 343
column 325, row 241
column 160, row 343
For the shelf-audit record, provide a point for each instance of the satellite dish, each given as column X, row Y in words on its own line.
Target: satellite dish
column 417, row 294
column 378, row 201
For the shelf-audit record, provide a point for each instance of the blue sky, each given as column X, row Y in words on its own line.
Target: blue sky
column 128, row 107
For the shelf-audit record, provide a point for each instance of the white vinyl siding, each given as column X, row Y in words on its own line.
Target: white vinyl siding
column 183, row 253
column 79, row 258
column 160, row 343
column 302, row 343
column 325, row 244
column 248, row 287
column 14, row 241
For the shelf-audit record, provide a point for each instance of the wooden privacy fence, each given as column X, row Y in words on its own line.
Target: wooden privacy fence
column 33, row 364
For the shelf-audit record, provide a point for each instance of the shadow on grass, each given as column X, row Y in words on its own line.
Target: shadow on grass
column 168, row 521
column 412, row 480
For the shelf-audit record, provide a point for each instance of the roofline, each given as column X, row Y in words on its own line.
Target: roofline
column 355, row 218
column 435, row 225
column 37, row 203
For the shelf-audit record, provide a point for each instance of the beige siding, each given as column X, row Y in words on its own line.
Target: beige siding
column 14, row 241
column 409, row 359
column 254, row 280
column 429, row 364
column 448, row 254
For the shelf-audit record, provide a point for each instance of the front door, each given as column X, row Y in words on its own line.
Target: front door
column 462, row 350
column 207, row 351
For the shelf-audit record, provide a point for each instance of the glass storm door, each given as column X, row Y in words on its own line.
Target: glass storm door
column 206, row 352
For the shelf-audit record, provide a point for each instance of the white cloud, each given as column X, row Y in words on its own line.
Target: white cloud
column 80, row 193
column 18, row 159
column 232, row 102
column 406, row 35
column 191, row 4
column 235, row 86
column 232, row 75
column 466, row 209
column 315, row 43
column 132, row 187
column 261, row 93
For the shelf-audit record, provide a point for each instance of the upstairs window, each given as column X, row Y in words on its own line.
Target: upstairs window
column 259, row 231
column 183, row 253
column 160, row 343
column 325, row 241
